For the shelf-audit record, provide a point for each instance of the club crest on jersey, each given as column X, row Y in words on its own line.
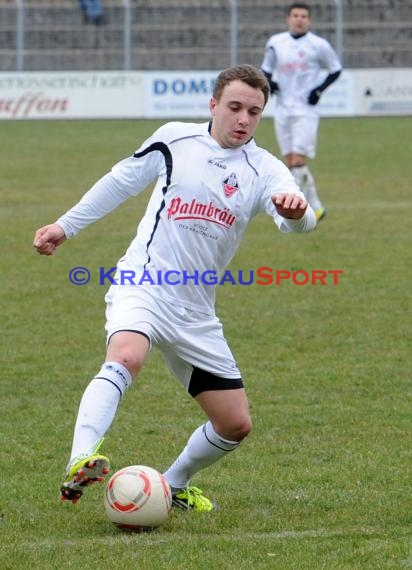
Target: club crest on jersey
column 230, row 185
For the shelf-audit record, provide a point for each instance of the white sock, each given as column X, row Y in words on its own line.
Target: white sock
column 98, row 407
column 203, row 448
column 304, row 179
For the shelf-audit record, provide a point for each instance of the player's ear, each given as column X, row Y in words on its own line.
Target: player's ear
column 212, row 106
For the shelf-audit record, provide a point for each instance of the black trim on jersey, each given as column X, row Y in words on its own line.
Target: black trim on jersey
column 203, row 381
column 297, row 36
column 164, row 149
column 251, row 165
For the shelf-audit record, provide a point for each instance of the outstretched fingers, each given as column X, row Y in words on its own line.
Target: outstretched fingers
column 290, row 205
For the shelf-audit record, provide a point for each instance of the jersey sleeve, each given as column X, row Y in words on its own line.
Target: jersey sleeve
column 329, row 58
column 269, row 58
column 127, row 178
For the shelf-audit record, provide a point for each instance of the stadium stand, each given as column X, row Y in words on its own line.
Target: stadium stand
column 191, row 34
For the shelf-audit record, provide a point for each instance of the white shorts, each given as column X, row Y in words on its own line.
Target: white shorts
column 188, row 339
column 297, row 134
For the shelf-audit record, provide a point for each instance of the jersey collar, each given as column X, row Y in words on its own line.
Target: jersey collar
column 297, row 36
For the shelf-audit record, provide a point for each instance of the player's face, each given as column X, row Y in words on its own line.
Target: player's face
column 236, row 114
column 298, row 21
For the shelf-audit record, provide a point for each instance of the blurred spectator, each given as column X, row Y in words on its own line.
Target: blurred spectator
column 92, row 11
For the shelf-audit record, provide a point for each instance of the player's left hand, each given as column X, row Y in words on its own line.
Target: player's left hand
column 290, row 205
column 314, row 96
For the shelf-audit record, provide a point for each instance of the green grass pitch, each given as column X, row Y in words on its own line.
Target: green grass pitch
column 324, row 480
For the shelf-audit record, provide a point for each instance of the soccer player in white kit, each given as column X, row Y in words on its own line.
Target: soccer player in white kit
column 212, row 179
column 292, row 63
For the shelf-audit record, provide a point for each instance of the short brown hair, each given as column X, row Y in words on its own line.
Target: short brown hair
column 246, row 73
column 299, row 6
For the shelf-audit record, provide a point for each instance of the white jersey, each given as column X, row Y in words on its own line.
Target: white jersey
column 295, row 63
column 202, row 202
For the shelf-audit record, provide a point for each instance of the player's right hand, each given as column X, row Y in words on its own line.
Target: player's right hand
column 48, row 238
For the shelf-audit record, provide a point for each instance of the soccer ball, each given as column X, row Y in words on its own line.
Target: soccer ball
column 137, row 498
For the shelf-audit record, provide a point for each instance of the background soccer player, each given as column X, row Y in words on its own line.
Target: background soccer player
column 212, row 179
column 295, row 59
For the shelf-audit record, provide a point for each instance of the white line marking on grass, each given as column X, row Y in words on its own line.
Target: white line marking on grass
column 376, row 205
column 154, row 539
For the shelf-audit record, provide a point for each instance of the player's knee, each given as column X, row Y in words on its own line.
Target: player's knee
column 243, row 429
column 130, row 361
column 128, row 349
column 235, row 429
